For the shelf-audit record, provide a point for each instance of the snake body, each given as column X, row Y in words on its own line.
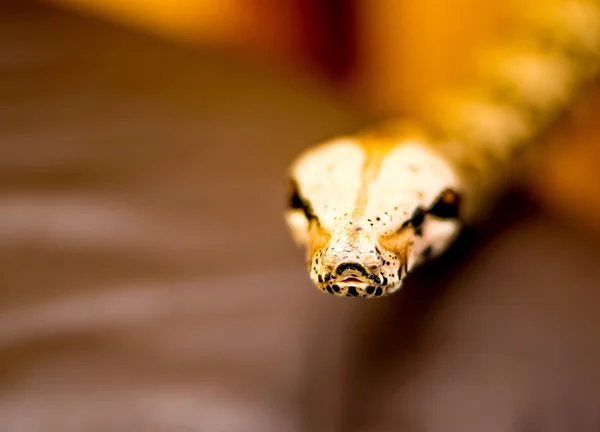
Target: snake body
column 371, row 207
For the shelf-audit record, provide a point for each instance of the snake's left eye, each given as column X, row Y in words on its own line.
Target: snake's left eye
column 446, row 206
column 297, row 203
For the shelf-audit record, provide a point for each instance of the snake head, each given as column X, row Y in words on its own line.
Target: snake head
column 367, row 212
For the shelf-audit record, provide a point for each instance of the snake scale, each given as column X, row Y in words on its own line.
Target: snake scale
column 371, row 207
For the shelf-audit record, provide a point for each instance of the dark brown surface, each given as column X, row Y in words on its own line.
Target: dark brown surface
column 148, row 282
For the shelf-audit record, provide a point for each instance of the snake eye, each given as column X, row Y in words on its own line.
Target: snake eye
column 296, row 202
column 446, row 206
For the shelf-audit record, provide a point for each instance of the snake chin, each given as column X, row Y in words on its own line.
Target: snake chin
column 358, row 288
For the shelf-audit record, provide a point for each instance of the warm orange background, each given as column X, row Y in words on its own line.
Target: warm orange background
column 412, row 48
column 253, row 24
column 404, row 49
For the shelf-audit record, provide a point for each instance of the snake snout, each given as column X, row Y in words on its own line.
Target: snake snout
column 357, row 269
column 350, row 267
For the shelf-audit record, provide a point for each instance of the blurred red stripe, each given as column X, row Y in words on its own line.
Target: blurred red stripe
column 327, row 31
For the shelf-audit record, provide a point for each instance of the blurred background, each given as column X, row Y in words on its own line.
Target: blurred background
column 387, row 53
column 147, row 279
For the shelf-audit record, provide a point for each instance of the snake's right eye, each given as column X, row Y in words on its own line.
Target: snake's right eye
column 446, row 206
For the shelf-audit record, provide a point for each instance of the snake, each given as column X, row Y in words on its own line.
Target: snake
column 371, row 206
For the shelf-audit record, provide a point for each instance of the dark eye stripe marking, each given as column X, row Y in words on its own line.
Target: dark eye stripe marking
column 416, row 221
column 298, row 203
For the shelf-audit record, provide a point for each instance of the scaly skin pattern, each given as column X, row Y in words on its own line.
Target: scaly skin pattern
column 371, row 207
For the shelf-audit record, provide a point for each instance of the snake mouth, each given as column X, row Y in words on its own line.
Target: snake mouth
column 352, row 280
